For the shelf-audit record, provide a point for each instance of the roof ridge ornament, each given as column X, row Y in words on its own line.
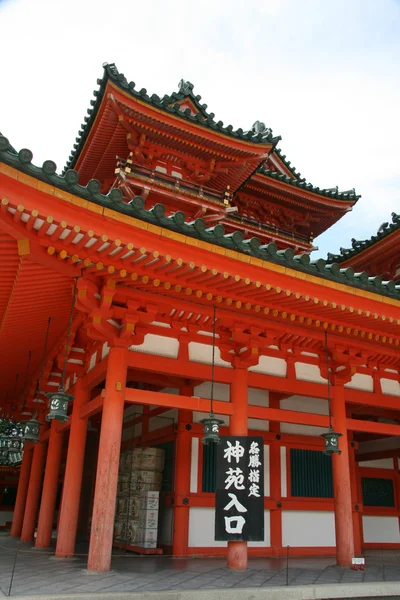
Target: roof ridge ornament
column 185, row 87
column 260, row 127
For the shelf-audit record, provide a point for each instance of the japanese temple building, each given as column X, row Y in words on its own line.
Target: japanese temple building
column 162, row 216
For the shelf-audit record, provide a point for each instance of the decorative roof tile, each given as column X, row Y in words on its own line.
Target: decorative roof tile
column 358, row 246
column 196, row 229
column 169, row 104
column 302, row 184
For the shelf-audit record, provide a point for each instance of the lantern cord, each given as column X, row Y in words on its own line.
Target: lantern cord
column 39, row 381
column 213, row 360
column 61, row 388
column 329, row 379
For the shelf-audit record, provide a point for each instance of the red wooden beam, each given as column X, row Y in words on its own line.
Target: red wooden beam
column 373, row 427
column 288, row 416
column 173, row 401
column 93, row 407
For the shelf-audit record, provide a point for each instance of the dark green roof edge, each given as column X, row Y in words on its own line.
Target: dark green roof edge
column 196, row 229
column 308, row 187
column 358, row 246
column 170, row 105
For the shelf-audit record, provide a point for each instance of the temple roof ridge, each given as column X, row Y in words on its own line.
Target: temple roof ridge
column 22, row 161
column 169, row 104
column 309, row 187
column 358, row 246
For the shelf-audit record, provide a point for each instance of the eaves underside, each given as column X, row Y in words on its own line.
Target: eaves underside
column 242, row 249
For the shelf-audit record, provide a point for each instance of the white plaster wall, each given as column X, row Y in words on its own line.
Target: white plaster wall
column 307, row 405
column 6, row 516
column 382, row 463
column 258, row 398
column 221, row 391
column 271, row 366
column 133, row 409
column 105, row 350
column 194, row 465
column 307, row 372
column 308, row 528
column 390, row 386
column 202, row 525
column 266, row 471
column 202, row 353
column 157, row 345
column 283, row 472
column 167, row 419
column 361, row 382
column 92, row 361
column 166, row 526
column 381, row 529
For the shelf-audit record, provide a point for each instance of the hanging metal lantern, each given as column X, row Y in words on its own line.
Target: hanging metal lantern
column 32, row 429
column 211, row 430
column 331, row 442
column 58, row 405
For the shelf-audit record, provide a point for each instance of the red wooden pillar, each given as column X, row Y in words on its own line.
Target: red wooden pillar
column 23, row 483
column 50, row 485
column 33, row 496
column 108, row 462
column 182, row 480
column 69, row 511
column 342, row 483
column 237, row 551
column 356, row 501
column 275, row 514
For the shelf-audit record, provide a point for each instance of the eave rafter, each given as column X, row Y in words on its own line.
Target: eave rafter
column 144, row 268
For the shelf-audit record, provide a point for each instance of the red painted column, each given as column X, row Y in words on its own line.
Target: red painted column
column 69, row 511
column 342, row 483
column 356, row 501
column 23, row 483
column 275, row 514
column 237, row 551
column 182, row 480
column 50, row 485
column 108, row 462
column 33, row 496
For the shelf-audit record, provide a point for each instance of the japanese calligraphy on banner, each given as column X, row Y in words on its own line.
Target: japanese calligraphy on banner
column 239, row 502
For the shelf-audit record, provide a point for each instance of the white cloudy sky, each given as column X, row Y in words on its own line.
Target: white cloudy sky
column 324, row 74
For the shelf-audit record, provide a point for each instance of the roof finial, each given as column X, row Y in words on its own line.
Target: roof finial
column 185, row 87
column 260, row 127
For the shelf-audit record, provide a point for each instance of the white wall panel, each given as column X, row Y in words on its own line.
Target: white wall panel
column 157, row 345
column 6, row 516
column 270, row 366
column 194, row 465
column 360, row 381
column 166, row 526
column 390, row 386
column 305, row 404
column 283, row 472
column 167, row 419
column 381, row 529
column 202, row 353
column 307, row 372
column 202, row 525
column 308, row 528
column 382, row 463
column 221, row 391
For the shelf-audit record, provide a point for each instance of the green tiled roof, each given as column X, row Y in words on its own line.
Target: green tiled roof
column 358, row 246
column 170, row 104
column 302, row 184
column 197, row 229
column 259, row 133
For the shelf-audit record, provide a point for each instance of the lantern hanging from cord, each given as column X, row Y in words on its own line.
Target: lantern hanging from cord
column 211, row 423
column 58, row 401
column 331, row 437
column 32, row 427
